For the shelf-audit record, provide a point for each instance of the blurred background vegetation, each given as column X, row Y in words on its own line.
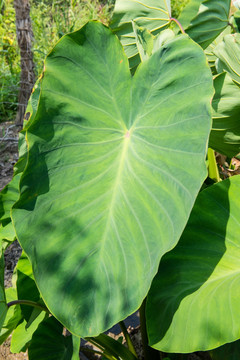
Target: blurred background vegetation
column 51, row 19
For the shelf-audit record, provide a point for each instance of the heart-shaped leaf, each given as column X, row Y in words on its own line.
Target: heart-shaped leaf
column 225, row 133
column 193, row 303
column 154, row 15
column 114, row 167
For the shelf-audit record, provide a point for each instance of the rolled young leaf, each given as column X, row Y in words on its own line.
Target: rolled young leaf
column 154, row 15
column 193, row 303
column 110, row 166
column 225, row 133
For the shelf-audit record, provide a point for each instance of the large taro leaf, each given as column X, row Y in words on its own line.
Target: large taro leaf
column 203, row 21
column 193, row 303
column 225, row 133
column 153, row 15
column 114, row 167
column 228, row 54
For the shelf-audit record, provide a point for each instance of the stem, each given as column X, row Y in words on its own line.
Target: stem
column 29, row 303
column 149, row 353
column 233, row 27
column 127, row 338
column 212, row 166
column 178, row 24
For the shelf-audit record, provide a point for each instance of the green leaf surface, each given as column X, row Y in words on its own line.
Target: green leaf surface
column 210, row 18
column 225, row 133
column 48, row 343
column 113, row 159
column 228, row 53
column 13, row 316
column 10, row 193
column 193, row 303
column 154, row 15
column 26, row 286
column 22, row 335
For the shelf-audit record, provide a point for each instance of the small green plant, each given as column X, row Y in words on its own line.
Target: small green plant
column 109, row 200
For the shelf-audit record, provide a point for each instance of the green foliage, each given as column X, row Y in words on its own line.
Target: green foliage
column 9, row 63
column 50, row 21
column 178, row 6
column 113, row 165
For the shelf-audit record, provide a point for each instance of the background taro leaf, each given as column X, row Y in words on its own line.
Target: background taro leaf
column 22, row 335
column 207, row 19
column 228, row 53
column 193, row 303
column 13, row 316
column 113, row 158
column 225, row 133
column 228, row 351
column 154, row 15
column 209, row 51
column 56, row 346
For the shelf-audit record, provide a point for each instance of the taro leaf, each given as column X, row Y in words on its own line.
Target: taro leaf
column 225, row 133
column 210, row 18
column 48, row 343
column 228, row 53
column 13, row 316
column 113, row 159
column 8, row 197
column 23, row 334
column 193, row 303
column 228, row 351
column 26, row 286
column 154, row 15
column 144, row 41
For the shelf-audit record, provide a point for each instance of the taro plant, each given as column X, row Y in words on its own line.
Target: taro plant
column 110, row 200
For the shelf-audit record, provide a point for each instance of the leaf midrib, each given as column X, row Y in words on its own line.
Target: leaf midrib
column 115, row 189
